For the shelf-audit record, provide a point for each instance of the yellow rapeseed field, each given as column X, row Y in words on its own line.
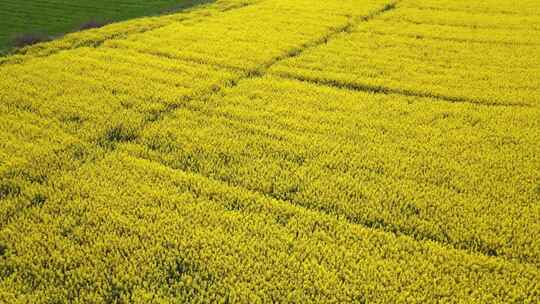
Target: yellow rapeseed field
column 277, row 151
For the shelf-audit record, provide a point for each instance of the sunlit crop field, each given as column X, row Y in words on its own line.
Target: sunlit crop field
column 277, row 151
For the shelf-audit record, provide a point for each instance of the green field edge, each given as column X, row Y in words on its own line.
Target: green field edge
column 10, row 50
column 49, row 48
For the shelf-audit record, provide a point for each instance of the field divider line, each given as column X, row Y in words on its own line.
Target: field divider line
column 494, row 14
column 467, row 26
column 460, row 40
column 364, row 87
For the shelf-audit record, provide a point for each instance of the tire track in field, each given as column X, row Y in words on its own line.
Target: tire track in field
column 462, row 40
column 364, row 87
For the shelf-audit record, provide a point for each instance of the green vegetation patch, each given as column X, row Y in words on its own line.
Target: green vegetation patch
column 27, row 22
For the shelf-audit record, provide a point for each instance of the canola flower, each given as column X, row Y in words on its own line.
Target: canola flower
column 133, row 230
column 272, row 150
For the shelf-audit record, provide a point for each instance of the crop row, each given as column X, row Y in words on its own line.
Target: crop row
column 489, row 7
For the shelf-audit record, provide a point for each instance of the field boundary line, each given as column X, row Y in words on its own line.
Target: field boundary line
column 495, row 14
column 458, row 40
column 363, row 87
